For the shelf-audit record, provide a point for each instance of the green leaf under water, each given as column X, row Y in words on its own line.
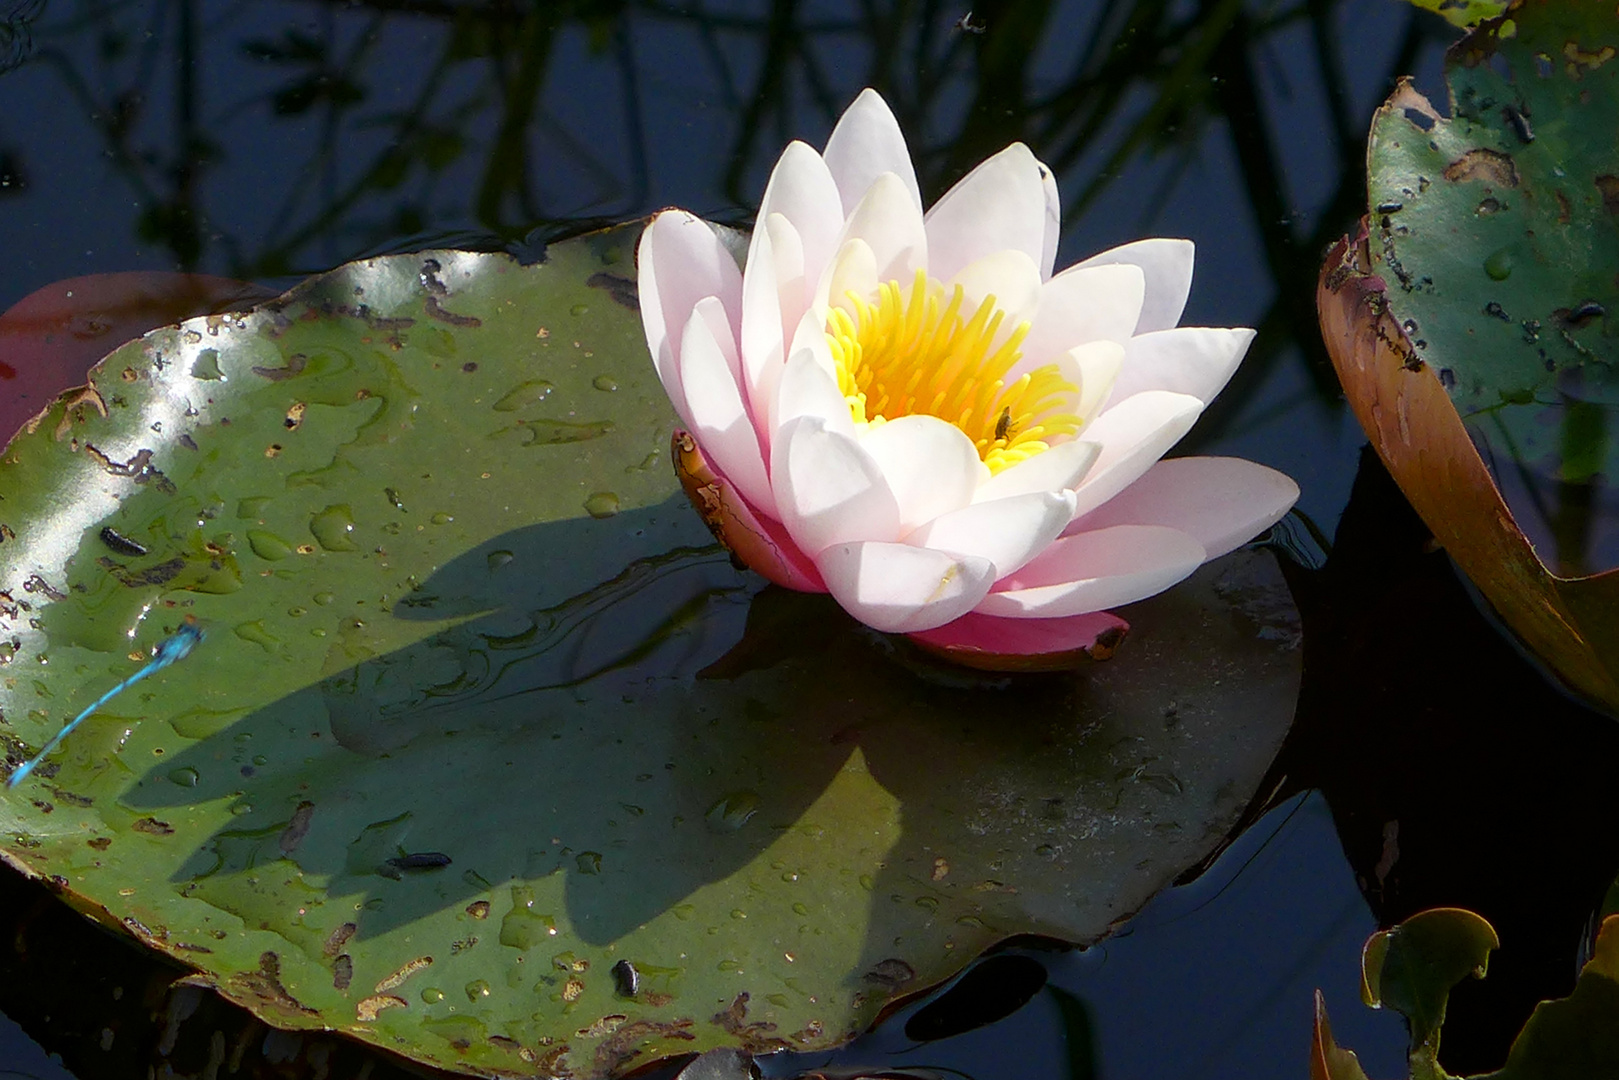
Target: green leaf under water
column 490, row 757
column 1414, row 966
column 1464, row 12
column 1496, row 231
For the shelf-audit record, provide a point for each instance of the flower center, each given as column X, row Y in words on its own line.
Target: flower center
column 906, row 353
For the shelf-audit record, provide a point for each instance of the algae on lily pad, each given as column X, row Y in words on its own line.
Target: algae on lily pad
column 489, row 756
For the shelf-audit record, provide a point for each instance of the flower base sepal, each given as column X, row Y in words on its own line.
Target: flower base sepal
column 759, row 542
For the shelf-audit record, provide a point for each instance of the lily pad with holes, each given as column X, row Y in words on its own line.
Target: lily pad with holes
column 489, row 757
column 1474, row 325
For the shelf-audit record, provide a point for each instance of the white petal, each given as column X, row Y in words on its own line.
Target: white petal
column 1001, row 204
column 1134, row 433
column 1048, row 249
column 828, row 490
column 1093, row 368
column 794, row 282
column 887, row 220
column 867, row 143
column 711, row 312
column 1092, row 571
column 1194, row 360
column 1081, row 305
column 1007, row 532
column 806, row 390
column 1011, row 277
column 802, row 191
column 898, row 589
column 930, row 466
column 679, row 261
column 1220, row 502
column 1167, row 265
column 720, row 423
column 1061, row 467
column 852, row 270
column 762, row 345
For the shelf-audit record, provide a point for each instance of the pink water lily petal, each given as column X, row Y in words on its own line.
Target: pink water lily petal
column 1053, row 231
column 1061, row 467
column 1097, row 303
column 1134, row 433
column 713, row 315
column 721, row 422
column 1167, row 265
column 866, row 143
column 891, row 224
column 807, row 390
column 1221, row 502
column 931, row 467
column 828, row 490
column 995, row 644
column 802, row 191
column 1001, row 204
column 795, row 284
column 1194, row 360
column 1007, row 532
column 680, row 260
column 762, row 342
column 901, row 589
column 1090, row 571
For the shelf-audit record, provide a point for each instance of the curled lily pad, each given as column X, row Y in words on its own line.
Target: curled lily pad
column 1470, row 324
column 490, row 757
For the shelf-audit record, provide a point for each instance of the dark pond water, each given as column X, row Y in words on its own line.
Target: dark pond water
column 267, row 141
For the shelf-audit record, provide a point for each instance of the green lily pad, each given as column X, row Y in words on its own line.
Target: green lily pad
column 1413, row 968
column 1495, row 230
column 1464, row 12
column 489, row 756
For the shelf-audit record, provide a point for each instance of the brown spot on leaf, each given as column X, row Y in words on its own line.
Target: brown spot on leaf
column 1484, row 165
column 621, row 289
column 264, row 988
column 603, row 1027
column 100, row 843
column 435, row 310
column 153, row 826
column 398, row 978
column 138, row 468
column 295, row 366
column 478, row 909
column 369, row 1008
column 891, row 973
column 756, row 1038
column 160, row 574
column 338, row 938
column 342, row 972
column 297, row 828
column 1609, row 187
column 623, row 1045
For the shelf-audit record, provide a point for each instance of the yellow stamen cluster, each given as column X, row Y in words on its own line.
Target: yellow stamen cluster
column 905, row 354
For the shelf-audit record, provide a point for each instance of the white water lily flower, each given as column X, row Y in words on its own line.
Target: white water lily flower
column 911, row 412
